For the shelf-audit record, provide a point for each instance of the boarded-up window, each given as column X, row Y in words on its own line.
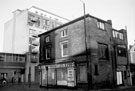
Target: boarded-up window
column 82, row 74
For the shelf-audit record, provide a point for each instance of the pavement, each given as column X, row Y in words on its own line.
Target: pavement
column 36, row 87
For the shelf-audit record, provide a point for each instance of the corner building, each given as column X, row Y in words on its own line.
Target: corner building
column 79, row 54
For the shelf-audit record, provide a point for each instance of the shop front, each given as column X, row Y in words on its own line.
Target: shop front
column 62, row 74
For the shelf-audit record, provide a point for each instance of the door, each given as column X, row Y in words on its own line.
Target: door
column 119, row 78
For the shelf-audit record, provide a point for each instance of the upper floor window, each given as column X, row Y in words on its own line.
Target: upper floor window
column 47, row 39
column 33, row 33
column 64, row 49
column 48, row 53
column 101, row 25
column 121, row 51
column 64, row 33
column 46, row 22
column 1, row 57
column 118, row 35
column 103, row 51
column 33, row 20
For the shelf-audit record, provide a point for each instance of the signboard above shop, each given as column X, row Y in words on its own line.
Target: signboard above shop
column 58, row 65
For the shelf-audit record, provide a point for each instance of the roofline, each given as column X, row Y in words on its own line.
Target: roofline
column 121, row 30
column 49, row 12
column 11, row 53
column 75, row 20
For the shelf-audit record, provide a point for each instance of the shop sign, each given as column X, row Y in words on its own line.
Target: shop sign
column 61, row 65
column 121, row 68
column 70, row 74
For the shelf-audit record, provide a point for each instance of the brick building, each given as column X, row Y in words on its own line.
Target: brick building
column 81, row 53
column 121, row 56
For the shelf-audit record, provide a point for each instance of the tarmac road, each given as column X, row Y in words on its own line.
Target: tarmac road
column 35, row 87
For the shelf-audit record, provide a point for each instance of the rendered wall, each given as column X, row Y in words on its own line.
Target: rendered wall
column 8, row 36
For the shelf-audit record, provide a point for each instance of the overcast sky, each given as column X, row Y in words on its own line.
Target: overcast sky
column 121, row 12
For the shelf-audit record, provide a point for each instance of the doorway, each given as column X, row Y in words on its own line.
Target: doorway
column 119, row 78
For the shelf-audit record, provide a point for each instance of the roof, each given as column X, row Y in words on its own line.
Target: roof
column 73, row 21
column 49, row 12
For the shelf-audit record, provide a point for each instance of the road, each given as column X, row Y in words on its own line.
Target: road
column 35, row 87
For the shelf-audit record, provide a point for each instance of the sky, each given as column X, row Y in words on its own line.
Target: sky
column 121, row 12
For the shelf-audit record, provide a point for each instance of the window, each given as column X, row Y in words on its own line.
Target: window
column 118, row 35
column 101, row 25
column 103, row 51
column 48, row 53
column 121, row 51
column 61, row 74
column 125, row 74
column 64, row 49
column 37, row 22
column 64, row 33
column 47, row 39
column 31, row 39
column 21, row 58
column 1, row 57
column 96, row 70
column 33, row 20
column 33, row 33
column 46, row 22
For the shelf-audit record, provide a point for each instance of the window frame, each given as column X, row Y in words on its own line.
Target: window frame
column 101, row 25
column 118, row 35
column 122, row 50
column 47, row 39
column 46, row 53
column 64, row 33
column 62, row 49
column 104, row 51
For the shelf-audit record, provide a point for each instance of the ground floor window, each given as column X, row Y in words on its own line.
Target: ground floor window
column 51, row 76
column 62, row 76
column 44, row 78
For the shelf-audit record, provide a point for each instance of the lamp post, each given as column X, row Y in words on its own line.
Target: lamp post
column 29, row 75
column 47, row 76
column 87, row 53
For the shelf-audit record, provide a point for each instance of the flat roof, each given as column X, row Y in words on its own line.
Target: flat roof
column 73, row 21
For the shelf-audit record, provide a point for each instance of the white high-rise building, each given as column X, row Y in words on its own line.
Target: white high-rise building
column 21, row 34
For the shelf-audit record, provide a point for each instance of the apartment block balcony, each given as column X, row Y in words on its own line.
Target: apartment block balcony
column 35, row 43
